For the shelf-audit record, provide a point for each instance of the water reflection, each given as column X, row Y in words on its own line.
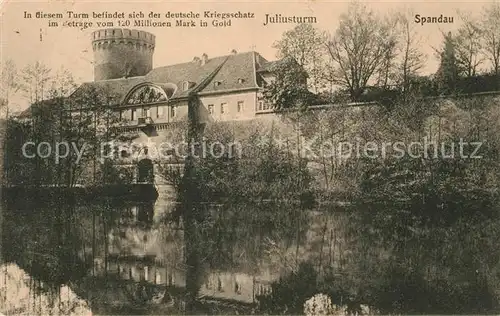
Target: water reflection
column 119, row 256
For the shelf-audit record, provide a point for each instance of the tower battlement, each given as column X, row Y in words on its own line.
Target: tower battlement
column 122, row 53
column 123, row 34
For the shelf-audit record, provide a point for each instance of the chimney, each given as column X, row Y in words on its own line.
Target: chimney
column 196, row 60
column 234, row 52
column 204, row 59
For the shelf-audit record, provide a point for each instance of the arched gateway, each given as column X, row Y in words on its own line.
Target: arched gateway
column 145, row 171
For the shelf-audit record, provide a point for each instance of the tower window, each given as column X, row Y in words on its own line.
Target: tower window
column 223, row 107
column 172, row 111
column 159, row 111
column 211, row 108
column 185, row 86
column 132, row 115
column 240, row 106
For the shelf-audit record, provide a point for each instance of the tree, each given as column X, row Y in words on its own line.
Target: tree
column 306, row 45
column 490, row 27
column 8, row 84
column 360, row 45
column 62, row 84
column 35, row 80
column 412, row 59
column 84, row 120
column 386, row 71
column 89, row 118
column 288, row 88
column 449, row 70
column 469, row 46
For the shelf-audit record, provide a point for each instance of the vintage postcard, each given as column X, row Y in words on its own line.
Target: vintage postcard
column 230, row 157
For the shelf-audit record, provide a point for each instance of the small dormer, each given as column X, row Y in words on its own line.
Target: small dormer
column 217, row 83
column 241, row 80
column 186, row 85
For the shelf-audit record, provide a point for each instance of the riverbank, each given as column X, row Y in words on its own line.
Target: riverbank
column 44, row 194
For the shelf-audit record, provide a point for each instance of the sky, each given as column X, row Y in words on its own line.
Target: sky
column 70, row 47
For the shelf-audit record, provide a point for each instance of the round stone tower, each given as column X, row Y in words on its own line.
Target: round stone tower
column 121, row 53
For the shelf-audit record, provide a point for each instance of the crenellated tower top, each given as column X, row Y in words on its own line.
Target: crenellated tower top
column 122, row 53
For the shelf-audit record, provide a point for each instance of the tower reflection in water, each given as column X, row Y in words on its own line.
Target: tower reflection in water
column 143, row 255
column 113, row 253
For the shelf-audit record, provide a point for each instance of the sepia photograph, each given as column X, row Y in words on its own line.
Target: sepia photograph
column 300, row 157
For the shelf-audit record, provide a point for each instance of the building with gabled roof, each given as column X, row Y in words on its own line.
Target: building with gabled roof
column 153, row 102
column 227, row 87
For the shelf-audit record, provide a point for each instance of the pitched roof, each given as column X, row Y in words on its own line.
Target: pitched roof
column 270, row 66
column 34, row 108
column 237, row 72
column 24, row 113
column 116, row 88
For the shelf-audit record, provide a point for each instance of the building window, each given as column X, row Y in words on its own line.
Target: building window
column 211, row 108
column 158, row 277
column 159, row 111
column 172, row 111
column 223, row 108
column 220, row 288
column 146, row 112
column 132, row 115
column 185, row 85
column 240, row 106
column 260, row 105
column 120, row 115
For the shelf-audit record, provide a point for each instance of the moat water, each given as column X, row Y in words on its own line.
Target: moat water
column 120, row 256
